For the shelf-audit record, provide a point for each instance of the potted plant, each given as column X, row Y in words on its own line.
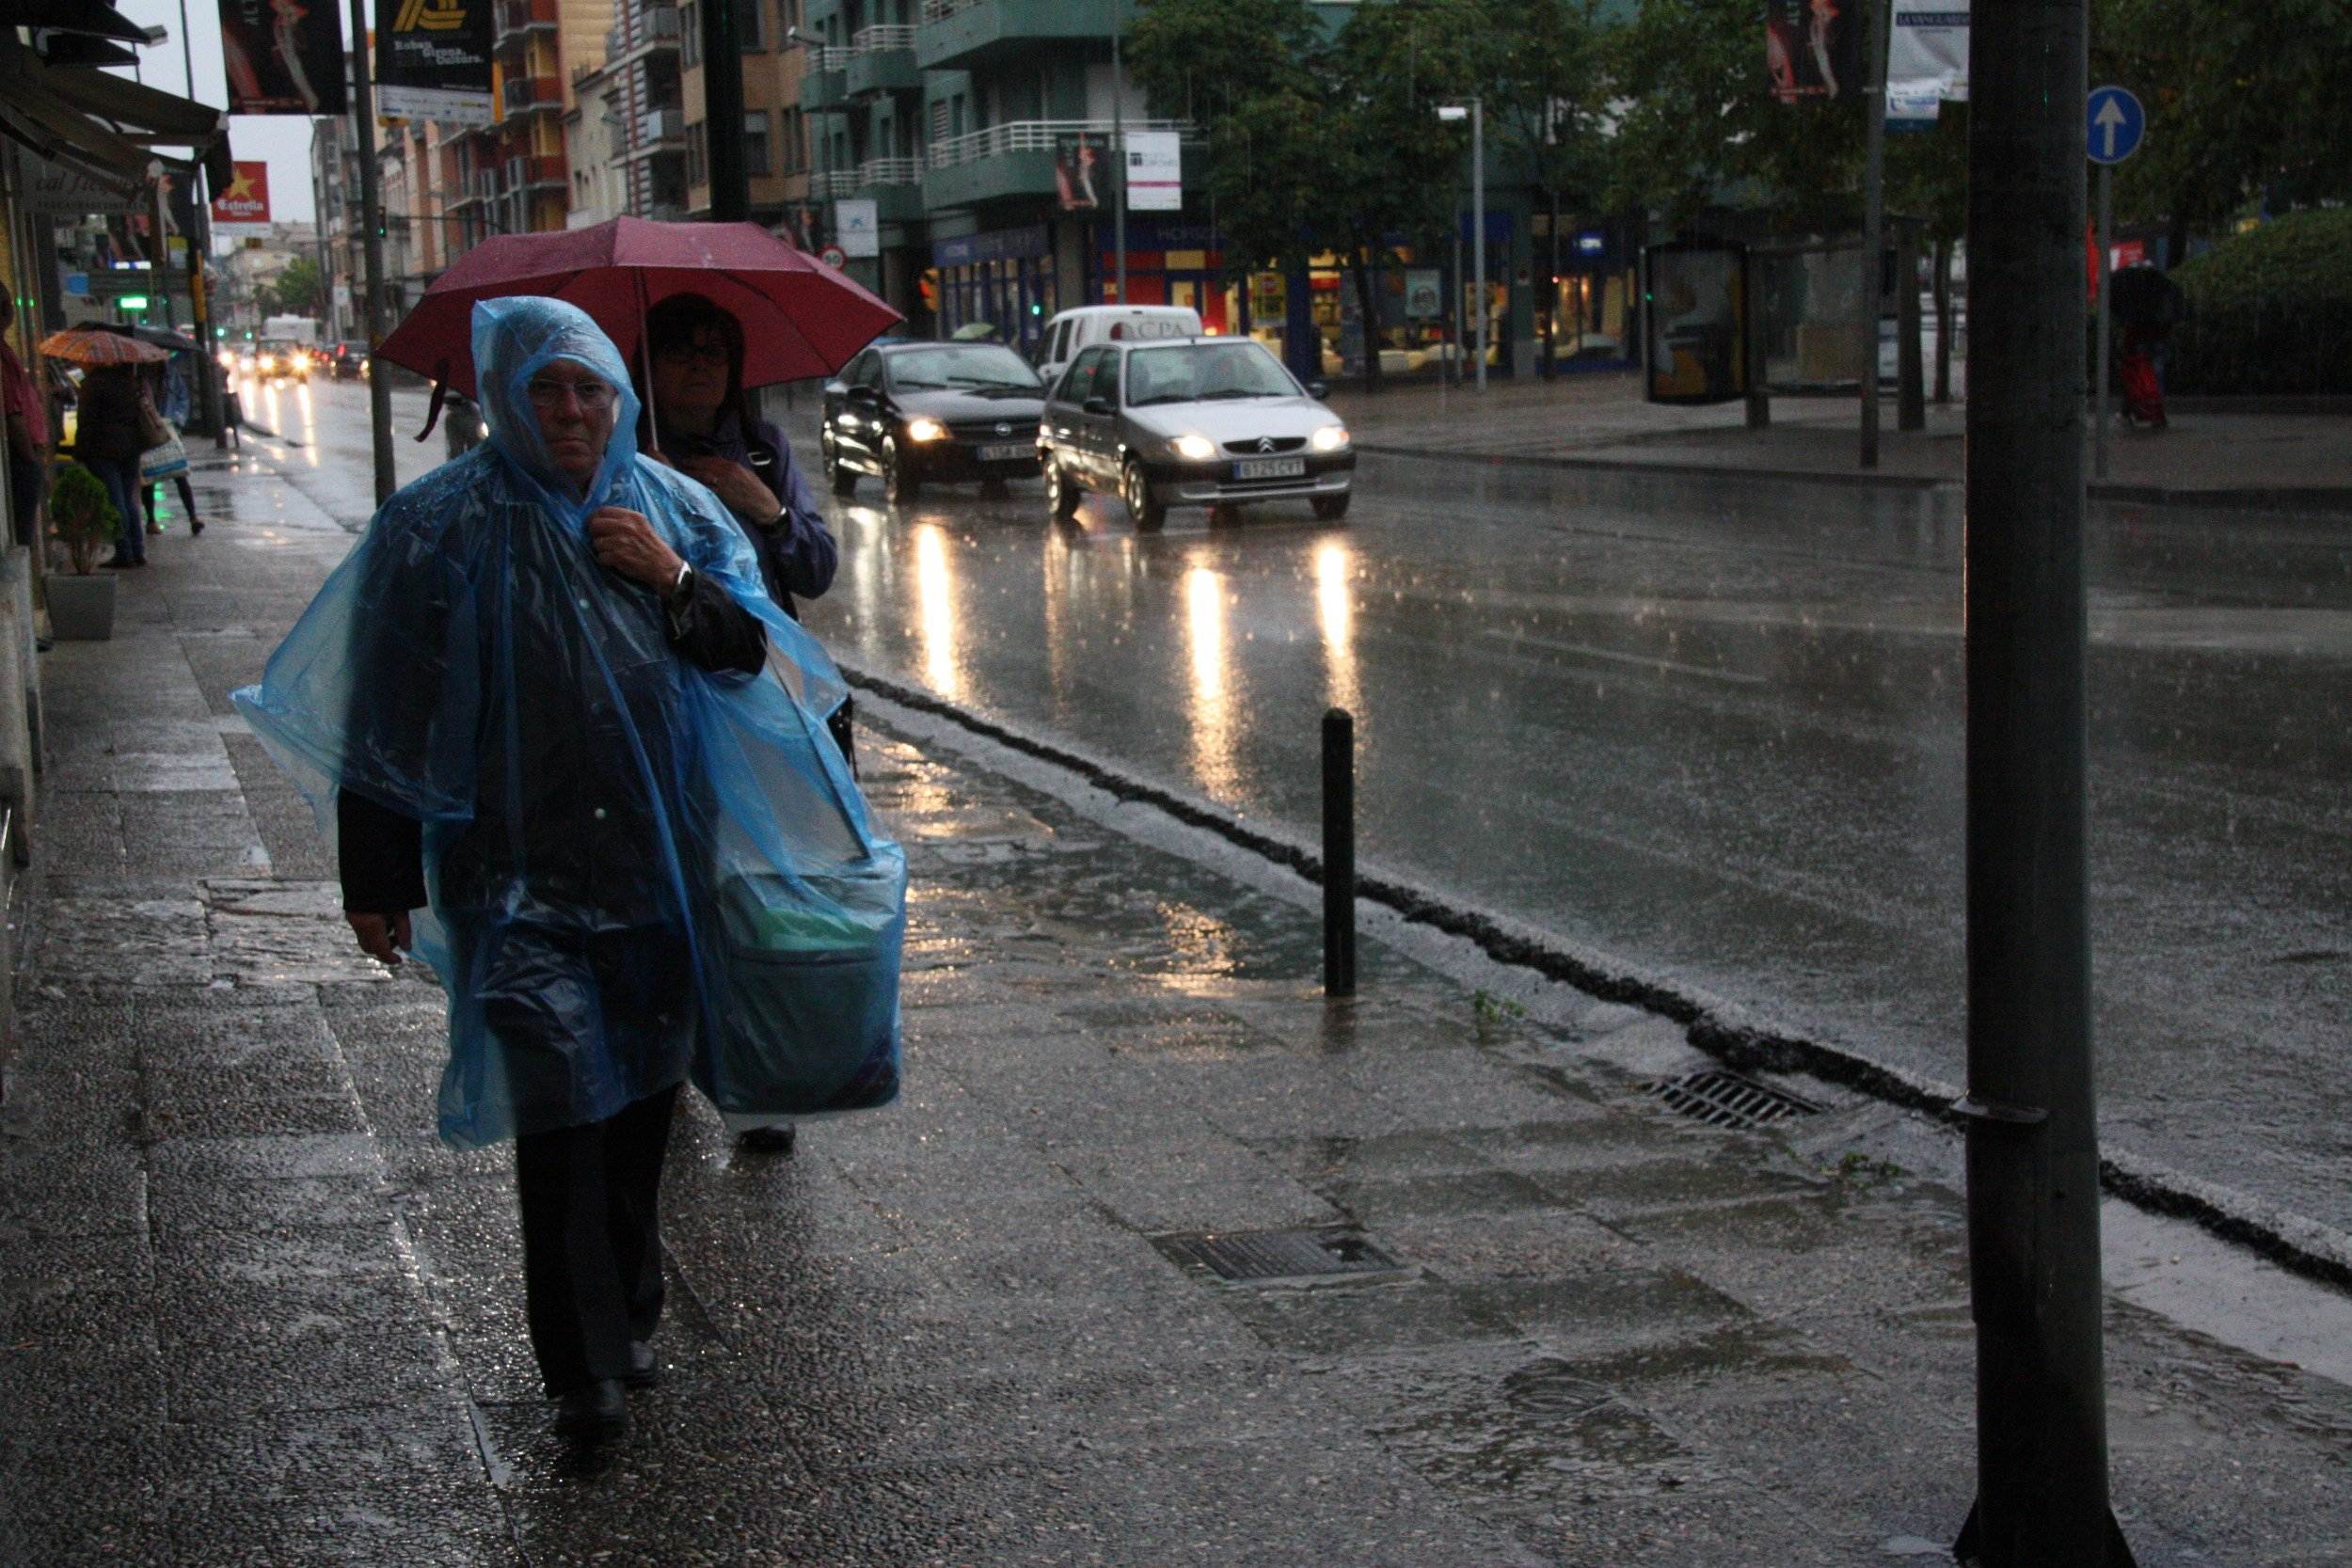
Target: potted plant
column 81, row 606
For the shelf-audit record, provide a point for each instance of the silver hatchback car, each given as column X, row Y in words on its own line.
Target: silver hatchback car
column 1193, row 421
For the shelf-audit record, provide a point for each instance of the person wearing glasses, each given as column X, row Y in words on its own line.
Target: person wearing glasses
column 515, row 695
column 701, row 423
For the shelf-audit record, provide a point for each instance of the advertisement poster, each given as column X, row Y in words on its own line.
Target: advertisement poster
column 433, row 61
column 1927, row 59
column 1813, row 48
column 1155, row 171
column 1077, row 164
column 283, row 56
column 1425, row 293
column 241, row 211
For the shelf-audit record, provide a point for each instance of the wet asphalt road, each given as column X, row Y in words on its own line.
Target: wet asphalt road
column 1712, row 729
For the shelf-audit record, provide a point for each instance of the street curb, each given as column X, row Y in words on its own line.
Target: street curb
column 1723, row 1029
column 2287, row 499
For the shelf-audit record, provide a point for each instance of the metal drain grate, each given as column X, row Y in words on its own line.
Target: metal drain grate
column 1723, row 1099
column 1262, row 1256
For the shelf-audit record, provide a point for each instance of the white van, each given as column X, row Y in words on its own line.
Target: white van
column 1089, row 324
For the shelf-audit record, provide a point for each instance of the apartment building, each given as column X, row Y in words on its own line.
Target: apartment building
column 625, row 132
column 513, row 176
column 774, row 144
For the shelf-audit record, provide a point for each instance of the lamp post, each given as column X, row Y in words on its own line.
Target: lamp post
column 1476, row 115
column 1118, row 155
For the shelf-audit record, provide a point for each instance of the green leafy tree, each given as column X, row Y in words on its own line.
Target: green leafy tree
column 2245, row 104
column 299, row 289
column 1544, row 75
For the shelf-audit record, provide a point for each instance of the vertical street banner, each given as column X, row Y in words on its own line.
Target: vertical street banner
column 1077, row 167
column 1813, row 47
column 283, row 56
column 1927, row 59
column 241, row 211
column 432, row 60
column 1155, row 171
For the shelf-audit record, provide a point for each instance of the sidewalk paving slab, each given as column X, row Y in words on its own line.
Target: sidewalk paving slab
column 251, row 1312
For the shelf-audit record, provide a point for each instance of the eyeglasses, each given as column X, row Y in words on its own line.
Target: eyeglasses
column 594, row 396
column 714, row 355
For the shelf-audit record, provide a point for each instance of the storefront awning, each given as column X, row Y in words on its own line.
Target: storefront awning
column 71, row 16
column 101, row 123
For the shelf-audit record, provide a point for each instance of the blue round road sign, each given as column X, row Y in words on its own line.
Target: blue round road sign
column 2117, row 124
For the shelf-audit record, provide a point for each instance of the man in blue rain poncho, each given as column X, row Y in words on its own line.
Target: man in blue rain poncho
column 576, row 759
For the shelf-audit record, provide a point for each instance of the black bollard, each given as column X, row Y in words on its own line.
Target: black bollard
column 1338, row 853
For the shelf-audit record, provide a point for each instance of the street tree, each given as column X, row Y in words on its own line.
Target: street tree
column 299, row 290
column 1543, row 73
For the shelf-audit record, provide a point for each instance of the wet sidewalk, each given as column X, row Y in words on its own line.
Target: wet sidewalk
column 2220, row 451
column 1521, row 1311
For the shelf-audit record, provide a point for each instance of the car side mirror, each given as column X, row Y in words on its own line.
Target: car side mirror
column 1098, row 406
column 1318, row 390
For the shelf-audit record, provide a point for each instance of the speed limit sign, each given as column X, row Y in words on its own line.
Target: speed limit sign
column 833, row 256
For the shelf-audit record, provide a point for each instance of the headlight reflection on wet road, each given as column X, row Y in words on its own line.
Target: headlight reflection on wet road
column 935, row 612
column 1215, row 743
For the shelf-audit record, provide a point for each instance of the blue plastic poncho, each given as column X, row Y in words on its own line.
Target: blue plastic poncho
column 637, row 871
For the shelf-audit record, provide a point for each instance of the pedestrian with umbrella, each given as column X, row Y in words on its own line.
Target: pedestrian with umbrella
column 528, row 705
column 110, row 434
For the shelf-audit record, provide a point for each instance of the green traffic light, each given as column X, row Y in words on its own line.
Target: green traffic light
column 133, row 302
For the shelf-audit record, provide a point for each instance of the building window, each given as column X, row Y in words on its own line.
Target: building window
column 791, row 147
column 690, row 35
column 697, row 156
column 756, row 159
column 788, row 17
column 750, row 24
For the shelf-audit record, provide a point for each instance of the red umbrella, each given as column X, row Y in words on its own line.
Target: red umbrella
column 801, row 318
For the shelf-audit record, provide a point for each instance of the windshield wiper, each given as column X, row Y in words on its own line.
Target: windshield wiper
column 922, row 386
column 1234, row 393
column 1164, row 397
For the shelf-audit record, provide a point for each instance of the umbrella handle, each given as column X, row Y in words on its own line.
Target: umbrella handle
column 644, row 358
column 440, row 395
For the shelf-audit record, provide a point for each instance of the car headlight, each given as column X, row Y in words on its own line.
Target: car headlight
column 926, row 430
column 1332, row 437
column 1196, row 449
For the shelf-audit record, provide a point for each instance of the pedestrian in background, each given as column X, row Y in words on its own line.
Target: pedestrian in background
column 702, row 426
column 174, row 405
column 27, row 415
column 108, row 439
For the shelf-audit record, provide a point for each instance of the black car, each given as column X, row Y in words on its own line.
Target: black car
column 913, row 414
column 347, row 361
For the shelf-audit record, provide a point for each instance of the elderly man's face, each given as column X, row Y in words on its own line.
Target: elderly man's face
column 574, row 406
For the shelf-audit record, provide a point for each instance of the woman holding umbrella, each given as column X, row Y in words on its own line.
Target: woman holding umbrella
column 108, row 439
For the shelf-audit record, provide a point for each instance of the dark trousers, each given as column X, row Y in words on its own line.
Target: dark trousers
column 592, row 1239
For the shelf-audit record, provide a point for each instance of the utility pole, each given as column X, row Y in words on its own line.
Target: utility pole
column 372, row 216
column 1118, row 154
column 2030, row 1113
column 1477, row 116
column 723, row 110
column 1874, row 30
column 200, row 239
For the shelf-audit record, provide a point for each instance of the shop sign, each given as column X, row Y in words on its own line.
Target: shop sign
column 857, row 227
column 1155, row 178
column 433, row 61
column 55, row 190
column 242, row 210
column 1001, row 245
column 282, row 59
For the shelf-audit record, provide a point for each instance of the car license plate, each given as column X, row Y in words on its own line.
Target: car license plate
column 1270, row 467
column 1009, row 452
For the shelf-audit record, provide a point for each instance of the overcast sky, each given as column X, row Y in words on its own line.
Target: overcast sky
column 283, row 140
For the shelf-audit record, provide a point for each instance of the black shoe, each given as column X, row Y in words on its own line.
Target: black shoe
column 772, row 1140
column 591, row 1413
column 117, row 562
column 195, row 525
column 644, row 1367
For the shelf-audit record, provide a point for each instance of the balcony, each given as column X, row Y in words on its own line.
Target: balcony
column 826, row 184
column 516, row 18
column 890, row 171
column 882, row 59
column 824, row 87
column 658, row 126
column 963, row 35
column 531, row 94
column 1015, row 159
column 537, row 172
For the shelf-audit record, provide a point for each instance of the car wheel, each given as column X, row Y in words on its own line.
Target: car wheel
column 898, row 487
column 1331, row 508
column 1146, row 513
column 1062, row 495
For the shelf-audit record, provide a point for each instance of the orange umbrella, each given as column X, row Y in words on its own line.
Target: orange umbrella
column 85, row 346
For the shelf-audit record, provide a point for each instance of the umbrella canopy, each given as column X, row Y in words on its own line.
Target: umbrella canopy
column 164, row 337
column 85, row 346
column 973, row 332
column 800, row 317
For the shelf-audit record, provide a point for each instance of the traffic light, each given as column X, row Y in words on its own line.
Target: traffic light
column 132, row 303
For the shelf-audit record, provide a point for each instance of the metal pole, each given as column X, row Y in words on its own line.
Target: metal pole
column 2031, row 1114
column 723, row 111
column 1453, row 310
column 159, row 264
column 335, row 324
column 1478, row 224
column 1118, row 154
column 1911, row 386
column 371, row 252
column 1338, row 853
column 2107, row 322
column 1874, row 31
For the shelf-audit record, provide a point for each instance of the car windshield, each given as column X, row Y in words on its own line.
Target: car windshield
column 978, row 367
column 1203, row 373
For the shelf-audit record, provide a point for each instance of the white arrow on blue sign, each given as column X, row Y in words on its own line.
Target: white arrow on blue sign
column 2117, row 124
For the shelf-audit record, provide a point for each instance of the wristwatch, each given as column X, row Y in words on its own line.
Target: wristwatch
column 677, row 584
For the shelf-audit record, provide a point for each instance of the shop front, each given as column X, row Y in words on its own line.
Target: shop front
column 1002, row 279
